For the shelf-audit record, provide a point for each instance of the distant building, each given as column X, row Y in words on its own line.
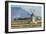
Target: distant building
column 33, row 18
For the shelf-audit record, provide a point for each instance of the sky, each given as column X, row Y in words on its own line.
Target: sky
column 21, row 11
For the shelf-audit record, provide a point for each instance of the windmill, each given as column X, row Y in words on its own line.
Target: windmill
column 33, row 17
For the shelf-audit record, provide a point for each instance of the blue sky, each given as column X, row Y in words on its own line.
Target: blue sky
column 21, row 11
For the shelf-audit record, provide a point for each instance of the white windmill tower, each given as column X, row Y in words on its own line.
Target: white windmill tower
column 33, row 17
